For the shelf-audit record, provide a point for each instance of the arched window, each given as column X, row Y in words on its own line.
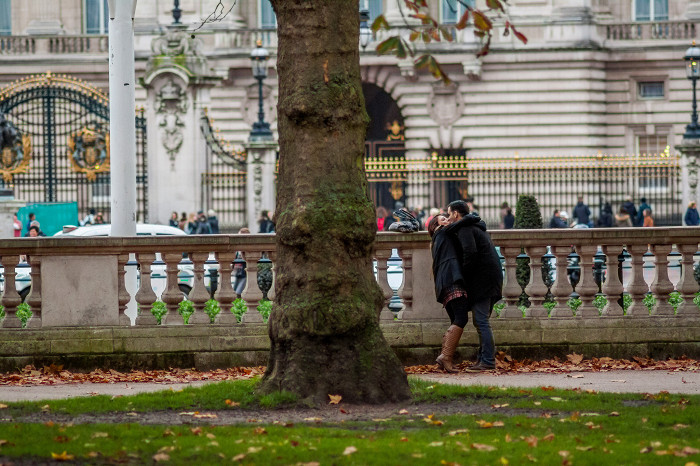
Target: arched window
column 651, row 10
column 96, row 16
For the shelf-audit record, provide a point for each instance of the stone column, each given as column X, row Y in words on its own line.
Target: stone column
column 572, row 21
column 260, row 185
column 177, row 79
column 690, row 170
column 8, row 207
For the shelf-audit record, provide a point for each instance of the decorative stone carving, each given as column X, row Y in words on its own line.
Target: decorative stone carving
column 472, row 69
column 445, row 104
column 15, row 150
column 171, row 104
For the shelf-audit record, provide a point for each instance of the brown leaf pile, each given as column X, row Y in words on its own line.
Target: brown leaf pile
column 55, row 375
column 573, row 363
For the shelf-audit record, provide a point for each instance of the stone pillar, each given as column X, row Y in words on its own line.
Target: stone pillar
column 177, row 79
column 690, row 170
column 260, row 185
column 572, row 21
column 8, row 207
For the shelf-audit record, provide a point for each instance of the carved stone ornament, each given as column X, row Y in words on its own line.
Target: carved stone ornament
column 171, row 103
column 445, row 104
column 88, row 150
column 176, row 42
column 693, row 167
column 15, row 150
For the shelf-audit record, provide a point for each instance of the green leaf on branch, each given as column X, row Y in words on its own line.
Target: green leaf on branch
column 414, row 35
column 446, row 34
column 380, row 22
column 429, row 62
column 495, row 5
column 388, row 45
column 481, row 22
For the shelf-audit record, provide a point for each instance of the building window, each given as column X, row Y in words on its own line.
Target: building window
column 5, row 17
column 374, row 7
column 96, row 16
column 268, row 20
column 651, row 10
column 650, row 90
column 451, row 11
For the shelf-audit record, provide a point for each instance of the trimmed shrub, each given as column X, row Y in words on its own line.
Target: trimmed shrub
column 529, row 216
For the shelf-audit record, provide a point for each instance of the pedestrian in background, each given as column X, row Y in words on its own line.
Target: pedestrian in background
column 648, row 220
column 89, row 219
column 31, row 218
column 213, row 221
column 17, row 226
column 266, row 224
column 582, row 213
column 182, row 224
column 203, row 227
column 556, row 221
column 173, row 220
column 381, row 214
column 99, row 219
column 623, row 218
column 191, row 227
column 507, row 217
column 640, row 216
column 629, row 207
column 239, row 273
column 605, row 219
column 692, row 218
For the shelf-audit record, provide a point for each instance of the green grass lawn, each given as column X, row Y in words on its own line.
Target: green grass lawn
column 513, row 426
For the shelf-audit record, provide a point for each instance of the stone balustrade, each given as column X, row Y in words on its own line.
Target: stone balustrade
column 656, row 30
column 54, row 45
column 81, row 281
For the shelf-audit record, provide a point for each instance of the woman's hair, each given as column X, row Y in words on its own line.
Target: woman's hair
column 382, row 212
column 692, row 204
column 244, row 231
column 433, row 225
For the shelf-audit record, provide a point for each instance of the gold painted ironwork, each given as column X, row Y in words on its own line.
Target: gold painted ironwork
column 50, row 79
column 396, row 190
column 15, row 159
column 88, row 151
column 395, row 131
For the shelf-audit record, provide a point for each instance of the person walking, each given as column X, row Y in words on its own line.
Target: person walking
column 582, row 213
column 648, row 220
column 483, row 278
column 173, row 220
column 507, row 217
column 691, row 217
column 639, row 221
column 266, row 225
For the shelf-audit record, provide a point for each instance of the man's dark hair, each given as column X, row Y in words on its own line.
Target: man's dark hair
column 460, row 207
column 644, row 200
column 31, row 215
column 36, row 228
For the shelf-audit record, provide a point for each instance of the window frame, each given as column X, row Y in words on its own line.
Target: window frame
column 104, row 18
column 260, row 15
column 636, row 81
column 8, row 5
column 460, row 10
column 652, row 12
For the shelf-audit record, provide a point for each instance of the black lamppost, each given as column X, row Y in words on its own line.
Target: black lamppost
column 177, row 12
column 692, row 59
column 365, row 31
column 259, row 56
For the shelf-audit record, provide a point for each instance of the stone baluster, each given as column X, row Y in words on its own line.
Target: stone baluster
column 123, row 295
column 687, row 286
column 199, row 294
column 225, row 294
column 406, row 290
column 382, row 256
column 172, row 294
column 10, row 298
column 511, row 287
column 561, row 290
column 637, row 287
column 612, row 286
column 587, row 287
column 34, row 298
column 536, row 289
column 661, row 287
column 145, row 296
column 252, row 294
column 272, row 255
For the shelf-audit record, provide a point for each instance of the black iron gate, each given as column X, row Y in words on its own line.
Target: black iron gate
column 61, row 152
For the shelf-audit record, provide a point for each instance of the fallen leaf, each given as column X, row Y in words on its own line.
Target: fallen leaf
column 436, row 444
column 211, row 436
column 482, row 447
column 335, row 399
column 254, row 449
column 232, row 403
column 206, row 416
column 239, row 457
column 349, row 450
column 260, row 431
column 680, row 426
column 100, row 435
column 564, row 453
column 690, row 450
column 614, row 414
column 196, row 430
column 3, row 406
column 403, row 411
column 404, row 439
column 342, row 411
column 586, row 448
column 62, row 456
column 313, row 419
column 574, row 358
column 647, row 449
column 500, row 406
column 548, row 438
column 531, row 440
column 555, row 398
column 576, row 376
column 452, row 433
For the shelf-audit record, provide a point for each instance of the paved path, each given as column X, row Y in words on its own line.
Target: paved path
column 637, row 381
column 610, row 381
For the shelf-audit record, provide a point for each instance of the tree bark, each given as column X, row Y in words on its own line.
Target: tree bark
column 324, row 327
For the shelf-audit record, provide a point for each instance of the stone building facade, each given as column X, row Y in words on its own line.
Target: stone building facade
column 596, row 77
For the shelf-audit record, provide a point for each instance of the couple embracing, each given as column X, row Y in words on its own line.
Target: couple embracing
column 468, row 277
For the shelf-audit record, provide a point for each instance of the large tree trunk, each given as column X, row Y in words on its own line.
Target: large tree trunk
column 324, row 327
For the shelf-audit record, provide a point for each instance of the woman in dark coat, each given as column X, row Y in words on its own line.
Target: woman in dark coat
column 449, row 288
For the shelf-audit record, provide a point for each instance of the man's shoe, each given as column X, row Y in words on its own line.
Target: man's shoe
column 479, row 367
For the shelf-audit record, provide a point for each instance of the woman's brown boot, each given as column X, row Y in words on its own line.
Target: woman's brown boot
column 449, row 344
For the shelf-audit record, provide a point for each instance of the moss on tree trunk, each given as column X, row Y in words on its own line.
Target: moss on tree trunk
column 324, row 328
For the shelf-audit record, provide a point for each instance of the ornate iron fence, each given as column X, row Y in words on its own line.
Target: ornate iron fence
column 555, row 181
column 63, row 126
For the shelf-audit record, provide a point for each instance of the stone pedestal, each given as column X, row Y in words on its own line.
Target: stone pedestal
column 178, row 79
column 690, row 170
column 260, row 188
column 7, row 209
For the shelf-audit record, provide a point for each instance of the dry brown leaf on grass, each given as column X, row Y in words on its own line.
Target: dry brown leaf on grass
column 334, row 399
column 349, row 450
column 482, row 447
column 62, row 456
column 574, row 358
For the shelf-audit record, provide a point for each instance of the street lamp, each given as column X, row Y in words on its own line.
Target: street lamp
column 259, row 56
column 692, row 59
column 365, row 31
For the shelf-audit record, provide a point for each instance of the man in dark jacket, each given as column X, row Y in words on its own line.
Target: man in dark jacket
column 639, row 220
column 629, row 207
column 483, row 276
column 582, row 214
